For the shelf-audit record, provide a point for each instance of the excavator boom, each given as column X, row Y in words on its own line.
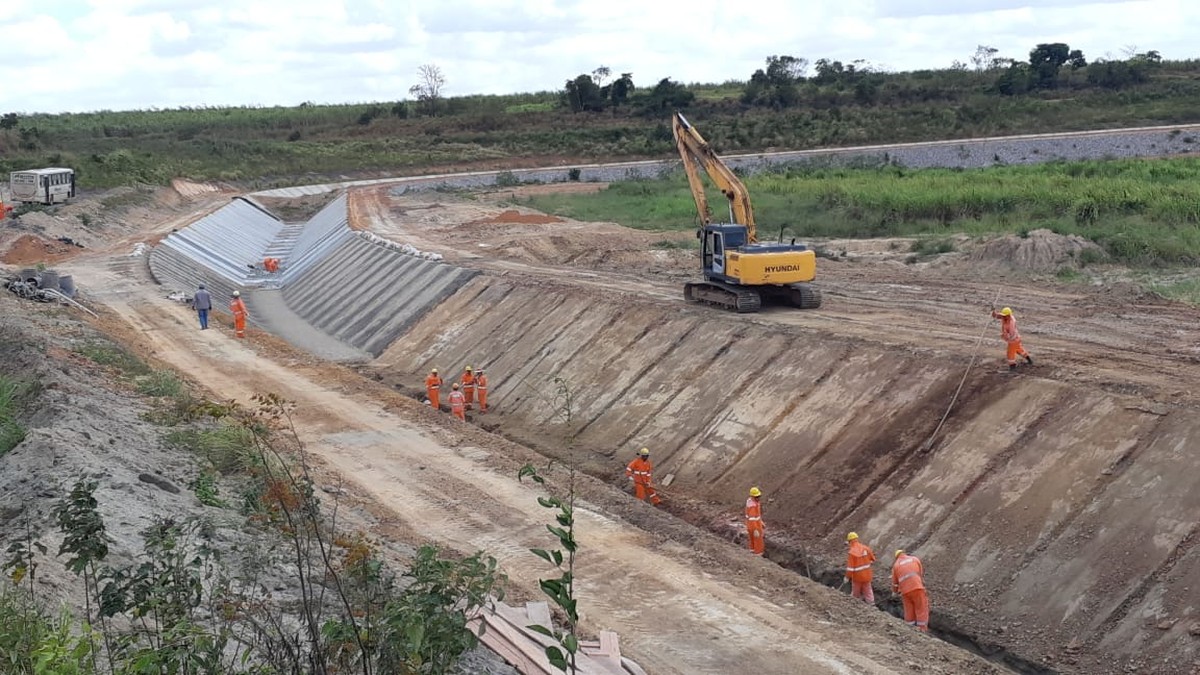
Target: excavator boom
column 696, row 151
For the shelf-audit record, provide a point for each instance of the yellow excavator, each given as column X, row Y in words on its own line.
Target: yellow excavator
column 740, row 272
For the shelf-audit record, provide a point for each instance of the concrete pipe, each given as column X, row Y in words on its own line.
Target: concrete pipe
column 48, row 279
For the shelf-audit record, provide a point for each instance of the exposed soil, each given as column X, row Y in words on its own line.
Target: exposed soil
column 683, row 600
column 1040, row 250
column 465, row 230
column 30, row 249
column 514, row 217
column 1034, row 477
column 843, row 445
column 296, row 209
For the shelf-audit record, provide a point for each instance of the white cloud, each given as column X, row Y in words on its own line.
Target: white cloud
column 78, row 55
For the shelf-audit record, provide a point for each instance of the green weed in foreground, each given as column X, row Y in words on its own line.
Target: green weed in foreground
column 11, row 431
column 1141, row 211
column 229, row 448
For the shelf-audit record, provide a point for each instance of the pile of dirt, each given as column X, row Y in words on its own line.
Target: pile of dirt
column 30, row 249
column 512, row 216
column 1039, row 251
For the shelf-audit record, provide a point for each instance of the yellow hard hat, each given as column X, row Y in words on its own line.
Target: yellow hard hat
column 1007, row 311
column 433, row 370
column 644, row 452
column 755, row 492
column 899, row 552
column 468, row 369
column 852, row 536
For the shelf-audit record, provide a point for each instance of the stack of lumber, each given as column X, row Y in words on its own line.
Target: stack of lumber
column 504, row 629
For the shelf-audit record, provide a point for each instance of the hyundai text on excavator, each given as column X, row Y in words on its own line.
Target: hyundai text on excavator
column 740, row 272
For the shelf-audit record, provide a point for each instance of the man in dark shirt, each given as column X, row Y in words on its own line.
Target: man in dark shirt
column 202, row 303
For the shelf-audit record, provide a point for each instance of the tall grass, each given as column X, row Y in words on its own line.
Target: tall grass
column 1142, row 211
column 11, row 431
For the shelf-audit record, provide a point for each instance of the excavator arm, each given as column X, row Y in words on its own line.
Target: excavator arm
column 696, row 152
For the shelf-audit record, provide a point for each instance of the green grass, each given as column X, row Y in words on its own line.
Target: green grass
column 1141, row 211
column 108, row 354
column 162, row 383
column 229, row 448
column 929, row 246
column 1186, row 290
column 11, row 431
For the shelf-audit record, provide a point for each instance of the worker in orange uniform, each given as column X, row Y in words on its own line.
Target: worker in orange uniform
column 468, row 386
column 641, row 471
column 908, row 579
column 433, row 388
column 238, row 308
column 271, row 264
column 458, row 403
column 754, row 522
column 481, row 388
column 858, row 569
column 1008, row 331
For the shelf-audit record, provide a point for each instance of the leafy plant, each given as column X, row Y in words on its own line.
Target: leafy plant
column 507, row 179
column 560, row 590
column 205, row 488
column 85, row 540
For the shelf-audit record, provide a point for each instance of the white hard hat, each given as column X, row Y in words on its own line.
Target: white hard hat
column 237, row 294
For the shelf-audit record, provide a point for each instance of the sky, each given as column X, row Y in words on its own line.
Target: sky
column 86, row 55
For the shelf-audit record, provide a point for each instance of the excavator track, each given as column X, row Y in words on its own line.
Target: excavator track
column 740, row 300
column 804, row 296
column 747, row 300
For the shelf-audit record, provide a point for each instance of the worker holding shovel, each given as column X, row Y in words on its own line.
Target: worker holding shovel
column 641, row 472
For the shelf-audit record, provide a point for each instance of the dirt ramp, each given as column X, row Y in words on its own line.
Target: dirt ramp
column 1062, row 514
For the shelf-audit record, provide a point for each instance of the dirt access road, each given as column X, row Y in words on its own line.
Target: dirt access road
column 683, row 601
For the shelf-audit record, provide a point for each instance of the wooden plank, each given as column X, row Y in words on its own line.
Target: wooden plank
column 525, row 650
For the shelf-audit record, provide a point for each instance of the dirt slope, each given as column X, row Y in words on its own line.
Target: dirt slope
column 683, row 601
column 1037, row 483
